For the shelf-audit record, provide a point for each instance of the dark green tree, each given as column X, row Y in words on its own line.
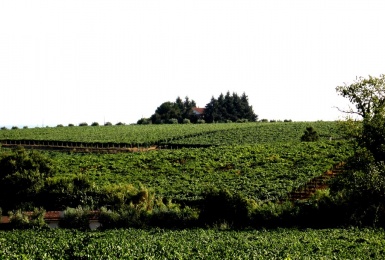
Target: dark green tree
column 178, row 110
column 229, row 107
column 22, row 175
column 309, row 135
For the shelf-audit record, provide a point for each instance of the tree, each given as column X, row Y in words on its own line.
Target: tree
column 309, row 135
column 367, row 94
column 361, row 189
column 22, row 175
column 178, row 110
column 229, row 108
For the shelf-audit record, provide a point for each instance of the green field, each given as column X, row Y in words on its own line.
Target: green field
column 263, row 171
column 212, row 134
column 259, row 161
column 194, row 244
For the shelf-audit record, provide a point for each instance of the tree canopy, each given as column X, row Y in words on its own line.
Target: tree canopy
column 178, row 110
column 229, row 107
column 367, row 94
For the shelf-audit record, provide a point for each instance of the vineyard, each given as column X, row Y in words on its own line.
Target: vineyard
column 194, row 244
column 264, row 171
column 148, row 135
column 265, row 166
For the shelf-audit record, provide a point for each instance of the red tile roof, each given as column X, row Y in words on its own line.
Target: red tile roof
column 199, row 110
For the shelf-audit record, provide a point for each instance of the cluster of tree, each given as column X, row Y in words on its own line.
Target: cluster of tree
column 173, row 112
column 229, row 108
column 361, row 188
column 225, row 108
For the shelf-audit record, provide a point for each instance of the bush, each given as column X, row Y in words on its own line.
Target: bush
column 75, row 218
column 144, row 121
column 22, row 220
column 264, row 120
column 4, row 128
column 14, row 127
column 287, row 121
column 22, row 176
column 71, row 125
column 219, row 206
column 83, row 124
column 172, row 121
column 107, row 124
column 186, row 121
column 201, row 121
column 25, row 127
column 361, row 192
column 120, row 123
column 310, row 135
column 59, row 125
column 95, row 124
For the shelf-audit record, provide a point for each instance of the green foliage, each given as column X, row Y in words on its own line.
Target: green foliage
column 229, row 107
column 186, row 121
column 14, row 127
column 75, row 218
column 83, row 124
column 59, row 125
column 107, row 124
column 157, row 243
column 309, row 135
column 22, row 175
column 361, row 191
column 67, row 191
column 71, row 125
column 144, row 121
column 95, row 124
column 174, row 110
column 23, row 220
column 366, row 94
column 220, row 206
column 172, row 121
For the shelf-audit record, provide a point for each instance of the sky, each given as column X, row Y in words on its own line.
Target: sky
column 115, row 61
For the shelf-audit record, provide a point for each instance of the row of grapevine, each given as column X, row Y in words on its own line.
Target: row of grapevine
column 265, row 171
column 194, row 244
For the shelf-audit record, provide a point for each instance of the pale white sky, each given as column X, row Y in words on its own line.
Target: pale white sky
column 78, row 61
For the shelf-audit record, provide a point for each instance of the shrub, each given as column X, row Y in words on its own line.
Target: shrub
column 22, row 176
column 172, row 121
column 22, row 220
column 201, row 121
column 75, row 218
column 71, row 125
column 220, row 206
column 120, row 123
column 25, row 127
column 15, row 127
column 273, row 121
column 287, row 121
column 107, row 124
column 83, row 124
column 95, row 124
column 309, row 135
column 186, row 121
column 144, row 121
column 4, row 128
column 264, row 120
column 59, row 125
